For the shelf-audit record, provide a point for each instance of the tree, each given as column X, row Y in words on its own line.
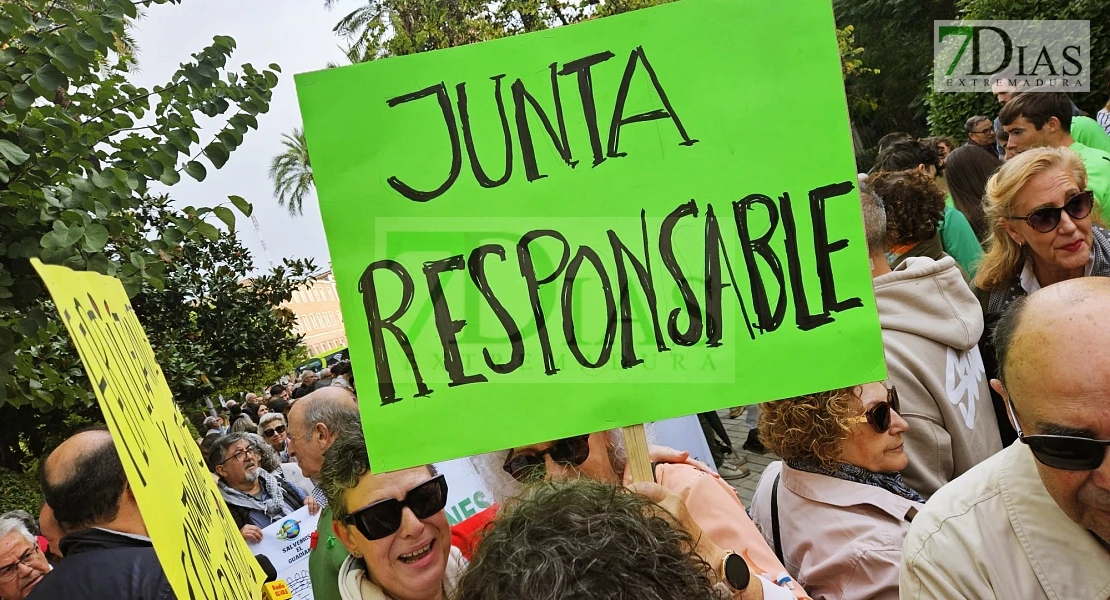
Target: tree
column 898, row 35
column 948, row 112
column 291, row 172
column 81, row 153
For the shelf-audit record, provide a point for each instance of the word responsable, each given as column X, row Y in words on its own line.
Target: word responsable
column 703, row 315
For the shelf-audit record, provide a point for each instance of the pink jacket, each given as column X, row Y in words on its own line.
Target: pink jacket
column 841, row 539
column 717, row 509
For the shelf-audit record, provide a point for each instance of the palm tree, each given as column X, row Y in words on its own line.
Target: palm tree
column 291, row 172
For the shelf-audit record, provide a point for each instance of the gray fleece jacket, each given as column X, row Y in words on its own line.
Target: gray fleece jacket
column 931, row 324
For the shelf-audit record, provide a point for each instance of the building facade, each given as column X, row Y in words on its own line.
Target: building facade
column 319, row 319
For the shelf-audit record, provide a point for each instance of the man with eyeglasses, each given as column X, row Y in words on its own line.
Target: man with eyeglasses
column 22, row 564
column 1033, row 521
column 980, row 134
column 108, row 552
column 1033, row 119
column 254, row 497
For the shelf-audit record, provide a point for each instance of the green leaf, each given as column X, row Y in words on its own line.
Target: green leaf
column 87, row 42
column 170, row 177
column 196, row 170
column 27, row 326
column 217, row 154
column 96, row 236
column 275, row 67
column 50, row 78
column 180, row 138
column 241, row 204
column 224, row 214
column 103, row 179
column 138, row 260
column 23, row 96
column 208, row 230
column 13, row 153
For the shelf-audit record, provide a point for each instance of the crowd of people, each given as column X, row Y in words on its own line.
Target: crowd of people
column 977, row 469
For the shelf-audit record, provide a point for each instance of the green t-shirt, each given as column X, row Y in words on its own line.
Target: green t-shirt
column 959, row 240
column 1088, row 132
column 325, row 560
column 1098, row 171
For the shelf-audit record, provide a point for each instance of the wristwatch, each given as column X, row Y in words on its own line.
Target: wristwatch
column 735, row 573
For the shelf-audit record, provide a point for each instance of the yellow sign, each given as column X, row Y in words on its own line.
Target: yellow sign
column 276, row 590
column 197, row 541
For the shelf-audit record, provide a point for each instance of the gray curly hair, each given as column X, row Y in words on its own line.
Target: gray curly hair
column 581, row 540
column 345, row 462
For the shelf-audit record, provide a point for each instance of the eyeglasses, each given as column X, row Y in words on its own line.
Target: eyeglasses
column 383, row 518
column 571, row 452
column 1046, row 219
column 271, row 432
column 1064, row 452
column 240, row 456
column 987, row 130
column 8, row 572
column 878, row 416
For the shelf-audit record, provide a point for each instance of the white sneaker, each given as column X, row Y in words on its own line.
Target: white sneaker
column 735, row 460
column 733, row 472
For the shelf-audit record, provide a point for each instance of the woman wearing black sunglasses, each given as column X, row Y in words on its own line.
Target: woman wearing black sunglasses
column 835, row 509
column 711, row 501
column 393, row 524
column 1045, row 228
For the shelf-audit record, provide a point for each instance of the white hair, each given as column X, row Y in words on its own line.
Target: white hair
column 503, row 487
column 10, row 524
column 270, row 416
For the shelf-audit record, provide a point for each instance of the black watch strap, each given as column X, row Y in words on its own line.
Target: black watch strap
column 736, row 573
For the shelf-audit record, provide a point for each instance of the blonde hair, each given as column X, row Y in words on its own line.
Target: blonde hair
column 1003, row 256
column 811, row 427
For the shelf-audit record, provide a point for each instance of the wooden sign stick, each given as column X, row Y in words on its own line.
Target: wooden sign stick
column 638, row 461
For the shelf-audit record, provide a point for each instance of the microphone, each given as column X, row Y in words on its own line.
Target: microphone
column 267, row 567
column 273, row 588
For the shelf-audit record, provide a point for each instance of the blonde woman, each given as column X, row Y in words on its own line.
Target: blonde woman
column 1045, row 228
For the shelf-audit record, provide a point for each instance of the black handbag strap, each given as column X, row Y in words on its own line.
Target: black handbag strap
column 775, row 518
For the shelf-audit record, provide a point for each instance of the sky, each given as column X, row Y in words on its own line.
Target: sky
column 295, row 34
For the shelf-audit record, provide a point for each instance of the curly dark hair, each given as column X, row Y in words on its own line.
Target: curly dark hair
column 583, row 539
column 914, row 205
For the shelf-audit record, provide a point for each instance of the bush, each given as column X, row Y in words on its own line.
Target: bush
column 20, row 490
column 948, row 112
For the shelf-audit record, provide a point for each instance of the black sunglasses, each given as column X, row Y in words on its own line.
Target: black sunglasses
column 270, row 432
column 571, row 452
column 1064, row 452
column 878, row 416
column 1046, row 219
column 383, row 518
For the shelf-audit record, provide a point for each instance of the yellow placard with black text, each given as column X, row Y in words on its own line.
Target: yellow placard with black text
column 197, row 542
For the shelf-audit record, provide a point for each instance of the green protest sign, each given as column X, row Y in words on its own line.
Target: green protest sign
column 625, row 220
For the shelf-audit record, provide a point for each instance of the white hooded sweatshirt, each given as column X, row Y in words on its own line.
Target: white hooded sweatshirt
column 931, row 325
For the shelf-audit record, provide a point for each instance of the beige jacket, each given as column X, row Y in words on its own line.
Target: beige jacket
column 842, row 540
column 994, row 532
column 931, row 325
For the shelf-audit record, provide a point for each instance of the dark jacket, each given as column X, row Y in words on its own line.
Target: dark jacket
column 104, row 564
column 242, row 514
